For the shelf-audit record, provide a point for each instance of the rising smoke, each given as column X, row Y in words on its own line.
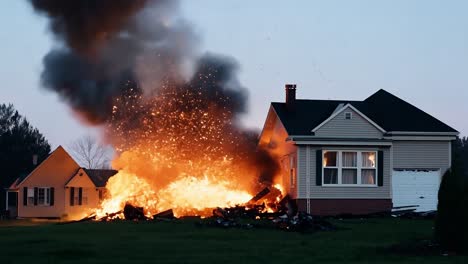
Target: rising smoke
column 105, row 43
column 109, row 49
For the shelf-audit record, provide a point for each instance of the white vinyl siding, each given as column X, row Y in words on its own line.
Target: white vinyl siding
column 421, row 155
column 356, row 127
column 301, row 171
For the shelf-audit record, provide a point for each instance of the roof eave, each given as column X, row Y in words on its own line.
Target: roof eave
column 421, row 133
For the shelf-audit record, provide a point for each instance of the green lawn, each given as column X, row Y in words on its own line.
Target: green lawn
column 184, row 242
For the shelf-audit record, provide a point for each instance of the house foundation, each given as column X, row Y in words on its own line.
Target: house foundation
column 330, row 207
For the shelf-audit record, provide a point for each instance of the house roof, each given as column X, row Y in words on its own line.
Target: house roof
column 58, row 151
column 100, row 177
column 385, row 109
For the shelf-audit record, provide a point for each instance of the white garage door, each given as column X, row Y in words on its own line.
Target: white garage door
column 416, row 187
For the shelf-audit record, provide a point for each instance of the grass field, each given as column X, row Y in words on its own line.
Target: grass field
column 184, row 242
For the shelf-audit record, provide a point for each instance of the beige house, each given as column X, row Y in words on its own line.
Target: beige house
column 60, row 188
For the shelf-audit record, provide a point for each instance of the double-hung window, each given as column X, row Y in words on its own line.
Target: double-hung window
column 30, row 196
column 369, row 168
column 43, row 196
column 349, row 168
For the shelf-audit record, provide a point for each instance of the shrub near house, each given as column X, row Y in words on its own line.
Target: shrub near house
column 451, row 229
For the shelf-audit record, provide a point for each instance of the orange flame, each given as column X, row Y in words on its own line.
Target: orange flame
column 178, row 152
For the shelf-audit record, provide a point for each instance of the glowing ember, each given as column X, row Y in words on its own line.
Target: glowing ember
column 171, row 113
column 179, row 152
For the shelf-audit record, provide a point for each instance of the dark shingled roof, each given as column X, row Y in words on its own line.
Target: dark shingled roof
column 100, row 177
column 386, row 110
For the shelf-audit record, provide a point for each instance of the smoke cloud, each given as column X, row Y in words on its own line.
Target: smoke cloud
column 126, row 52
column 106, row 43
column 86, row 25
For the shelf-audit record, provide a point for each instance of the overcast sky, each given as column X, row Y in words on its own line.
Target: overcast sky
column 417, row 50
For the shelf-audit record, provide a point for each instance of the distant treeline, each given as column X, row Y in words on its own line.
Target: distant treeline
column 460, row 153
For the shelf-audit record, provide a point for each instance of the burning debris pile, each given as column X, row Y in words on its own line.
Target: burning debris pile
column 259, row 212
column 171, row 112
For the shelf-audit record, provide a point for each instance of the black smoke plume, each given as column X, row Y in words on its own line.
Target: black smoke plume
column 111, row 50
column 85, row 25
column 108, row 43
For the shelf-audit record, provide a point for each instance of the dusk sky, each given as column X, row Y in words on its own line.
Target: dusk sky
column 417, row 50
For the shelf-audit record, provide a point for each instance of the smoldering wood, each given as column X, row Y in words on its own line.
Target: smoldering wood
column 260, row 195
column 133, row 212
column 168, row 214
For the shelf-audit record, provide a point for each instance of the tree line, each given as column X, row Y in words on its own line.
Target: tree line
column 20, row 143
column 23, row 147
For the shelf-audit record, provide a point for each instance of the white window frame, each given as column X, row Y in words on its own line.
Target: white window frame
column 30, row 197
column 46, row 196
column 350, row 115
column 339, row 166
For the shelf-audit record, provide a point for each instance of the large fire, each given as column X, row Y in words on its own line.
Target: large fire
column 179, row 151
column 171, row 112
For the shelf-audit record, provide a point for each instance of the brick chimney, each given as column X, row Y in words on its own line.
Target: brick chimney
column 290, row 95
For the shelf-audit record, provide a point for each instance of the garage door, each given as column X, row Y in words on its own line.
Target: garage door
column 416, row 187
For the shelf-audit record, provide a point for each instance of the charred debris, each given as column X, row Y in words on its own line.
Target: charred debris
column 262, row 211
column 265, row 210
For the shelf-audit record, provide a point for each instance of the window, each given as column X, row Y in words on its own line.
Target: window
column 84, row 197
column 76, row 197
column 43, row 196
column 79, row 196
column 350, row 168
column 368, row 173
column 30, row 196
column 348, row 115
column 330, row 165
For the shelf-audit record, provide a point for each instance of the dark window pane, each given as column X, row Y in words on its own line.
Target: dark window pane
column 41, row 196
column 48, row 196
column 329, row 159
column 349, row 176
column 330, row 176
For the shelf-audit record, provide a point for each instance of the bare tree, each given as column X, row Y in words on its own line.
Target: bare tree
column 90, row 153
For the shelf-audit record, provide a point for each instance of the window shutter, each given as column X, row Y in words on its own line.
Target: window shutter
column 25, row 196
column 72, row 196
column 52, row 196
column 318, row 166
column 380, row 165
column 80, row 196
column 36, row 190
